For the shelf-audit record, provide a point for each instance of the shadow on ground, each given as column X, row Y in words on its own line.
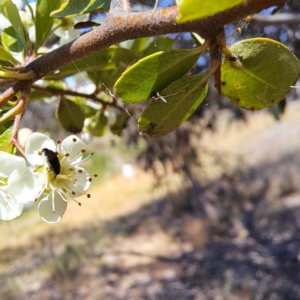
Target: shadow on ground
column 238, row 238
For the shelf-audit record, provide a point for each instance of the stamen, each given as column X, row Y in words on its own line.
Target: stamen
column 90, row 179
column 88, row 195
column 36, row 200
column 74, row 140
column 95, row 175
column 40, row 153
column 7, row 197
column 83, row 151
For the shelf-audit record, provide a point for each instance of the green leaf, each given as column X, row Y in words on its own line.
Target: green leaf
column 107, row 59
column 6, row 134
column 6, row 59
column 195, row 9
column 120, row 123
column 10, row 11
column 159, row 44
column 87, row 110
column 154, row 73
column 98, row 124
column 38, row 95
column 160, row 118
column 70, row 116
column 78, row 7
column 43, row 21
column 11, row 40
column 258, row 73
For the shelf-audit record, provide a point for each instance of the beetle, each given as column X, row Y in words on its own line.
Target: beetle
column 52, row 161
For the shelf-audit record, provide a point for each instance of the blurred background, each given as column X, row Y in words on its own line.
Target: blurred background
column 210, row 211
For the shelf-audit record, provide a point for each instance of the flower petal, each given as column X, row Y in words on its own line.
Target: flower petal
column 9, row 208
column 73, row 146
column 82, row 184
column 9, row 163
column 25, row 186
column 36, row 142
column 46, row 208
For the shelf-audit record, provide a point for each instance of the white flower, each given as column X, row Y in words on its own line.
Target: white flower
column 57, row 173
column 16, row 185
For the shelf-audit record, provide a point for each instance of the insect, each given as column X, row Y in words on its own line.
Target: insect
column 52, row 161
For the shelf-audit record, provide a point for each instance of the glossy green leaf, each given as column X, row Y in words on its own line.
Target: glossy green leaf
column 10, row 11
column 154, row 73
column 11, row 40
column 70, row 116
column 43, row 21
column 259, row 73
column 98, row 124
column 6, row 59
column 78, row 7
column 196, row 9
column 120, row 123
column 182, row 99
column 107, row 59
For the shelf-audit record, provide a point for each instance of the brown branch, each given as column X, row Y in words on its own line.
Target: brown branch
column 123, row 26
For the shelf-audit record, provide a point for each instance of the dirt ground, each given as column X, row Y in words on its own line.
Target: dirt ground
column 133, row 242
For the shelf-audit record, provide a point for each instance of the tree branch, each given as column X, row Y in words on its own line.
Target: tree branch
column 123, row 26
column 60, row 92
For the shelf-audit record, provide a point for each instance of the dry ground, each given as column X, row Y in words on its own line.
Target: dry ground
column 132, row 242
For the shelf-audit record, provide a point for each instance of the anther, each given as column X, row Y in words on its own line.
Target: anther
column 74, row 140
column 88, row 195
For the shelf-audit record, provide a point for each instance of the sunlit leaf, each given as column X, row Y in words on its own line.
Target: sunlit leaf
column 43, row 21
column 195, row 9
column 154, row 73
column 78, row 7
column 5, row 134
column 10, row 11
column 182, row 98
column 259, row 73
column 11, row 40
column 6, row 59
